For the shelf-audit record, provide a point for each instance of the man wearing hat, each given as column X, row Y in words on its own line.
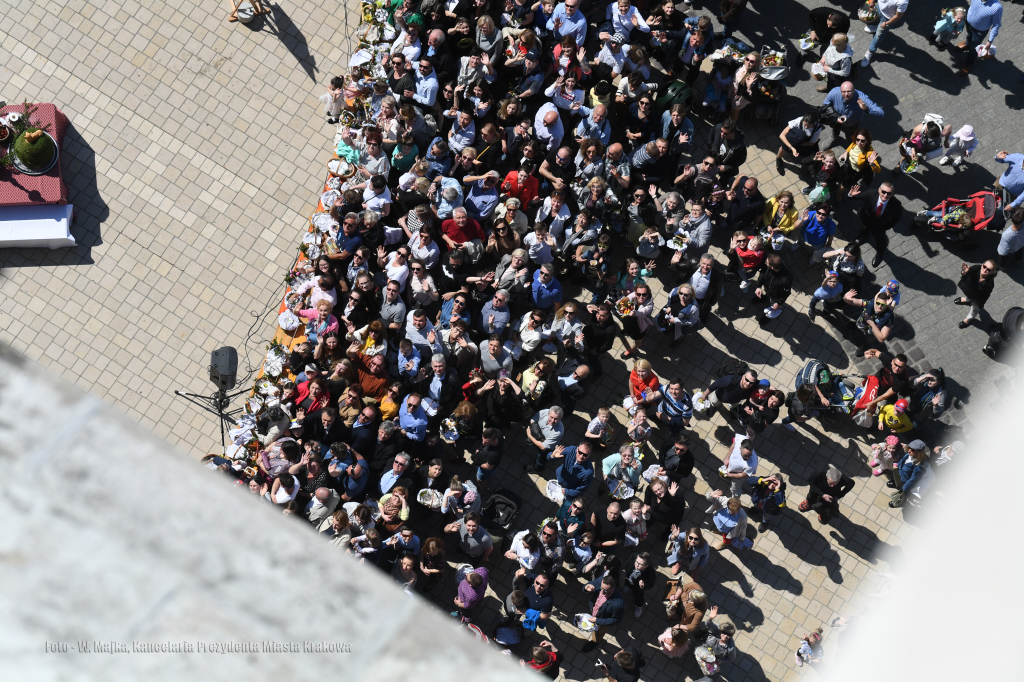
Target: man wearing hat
column 906, row 474
column 532, row 81
column 961, row 145
column 611, row 59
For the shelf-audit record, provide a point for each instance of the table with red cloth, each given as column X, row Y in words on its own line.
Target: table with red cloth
column 18, row 189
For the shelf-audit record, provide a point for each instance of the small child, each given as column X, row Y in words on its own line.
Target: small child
column 378, row 91
column 334, row 99
column 403, row 158
column 365, row 546
column 636, row 518
column 639, row 429
column 599, row 430
column 830, row 291
column 948, row 27
column 650, row 243
column 962, row 144
column 716, row 95
column 598, row 263
column 883, row 454
column 810, row 648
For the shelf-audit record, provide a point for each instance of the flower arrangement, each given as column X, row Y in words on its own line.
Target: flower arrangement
column 31, row 145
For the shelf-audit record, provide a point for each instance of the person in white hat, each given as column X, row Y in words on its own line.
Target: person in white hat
column 961, row 145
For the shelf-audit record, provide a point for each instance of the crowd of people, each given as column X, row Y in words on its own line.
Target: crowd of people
column 529, row 182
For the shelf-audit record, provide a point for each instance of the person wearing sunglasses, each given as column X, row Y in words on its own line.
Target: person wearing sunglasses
column 881, row 211
column 875, row 320
column 575, row 475
column 690, row 551
column 977, row 283
column 817, row 229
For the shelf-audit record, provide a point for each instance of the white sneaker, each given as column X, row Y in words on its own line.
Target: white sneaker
column 744, row 285
column 870, row 29
column 958, row 161
column 789, row 427
column 867, row 60
column 637, row 611
column 944, row 161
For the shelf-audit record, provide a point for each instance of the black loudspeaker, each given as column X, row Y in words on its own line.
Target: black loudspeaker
column 223, row 365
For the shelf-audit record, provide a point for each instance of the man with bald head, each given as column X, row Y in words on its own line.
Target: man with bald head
column 323, row 504
column 547, row 127
column 595, row 126
column 444, row 61
column 617, row 169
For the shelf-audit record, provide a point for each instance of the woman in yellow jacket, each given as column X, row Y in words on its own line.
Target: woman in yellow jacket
column 781, row 217
column 859, row 162
column 894, row 418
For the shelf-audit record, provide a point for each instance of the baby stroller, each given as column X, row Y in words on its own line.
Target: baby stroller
column 498, row 512
column 981, row 207
column 839, row 389
column 770, row 85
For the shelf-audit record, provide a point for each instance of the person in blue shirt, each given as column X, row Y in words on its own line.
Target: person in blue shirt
column 1012, row 179
column 351, row 470
column 675, row 408
column 830, row 291
column 983, row 16
column 412, row 418
column 483, row 197
column 596, row 126
column 547, row 291
column 577, row 471
column 567, row 20
column 906, row 474
column 495, row 315
column 456, row 307
column 850, row 104
column 818, row 230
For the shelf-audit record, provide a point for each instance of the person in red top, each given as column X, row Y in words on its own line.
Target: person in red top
column 521, row 185
column 372, row 371
column 544, row 660
column 312, row 395
column 460, row 228
column 644, row 386
column 750, row 253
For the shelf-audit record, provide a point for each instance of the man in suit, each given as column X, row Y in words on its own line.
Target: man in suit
column 441, row 385
column 327, row 428
column 322, row 505
column 443, row 59
column 707, row 286
column 880, row 213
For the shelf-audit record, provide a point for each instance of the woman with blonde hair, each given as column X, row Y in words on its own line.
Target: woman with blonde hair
column 744, row 83
column 371, row 339
column 536, row 384
column 318, row 320
column 387, row 123
column 566, row 328
column 394, row 509
column 834, row 66
column 781, row 217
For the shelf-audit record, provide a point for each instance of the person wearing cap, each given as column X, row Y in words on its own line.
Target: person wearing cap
column 907, row 472
column 532, row 80
column 826, row 489
column 892, row 287
column 894, row 417
column 884, row 454
column 611, row 59
column 961, row 145
column 830, row 291
column 946, row 454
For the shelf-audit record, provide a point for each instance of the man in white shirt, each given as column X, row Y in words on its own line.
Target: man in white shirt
column 408, row 43
column 889, row 12
column 740, row 464
column 547, row 126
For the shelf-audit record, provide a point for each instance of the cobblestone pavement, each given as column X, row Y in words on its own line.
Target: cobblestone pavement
column 193, row 158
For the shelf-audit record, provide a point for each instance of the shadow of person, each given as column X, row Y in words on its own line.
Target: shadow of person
column 743, row 613
column 289, row 34
column 798, row 536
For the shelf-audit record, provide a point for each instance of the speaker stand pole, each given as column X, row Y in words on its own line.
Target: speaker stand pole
column 214, row 404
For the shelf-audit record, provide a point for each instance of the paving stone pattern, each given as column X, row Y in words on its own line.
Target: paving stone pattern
column 195, row 153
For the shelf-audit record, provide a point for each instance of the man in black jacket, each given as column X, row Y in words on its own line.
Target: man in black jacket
column 827, row 488
column 573, row 382
column 390, row 442
column 599, row 336
column 730, row 389
column 824, row 23
column 727, row 145
column 746, row 205
column 707, row 286
column 325, row 428
column 881, row 212
column 773, row 287
column 441, row 385
column 444, row 62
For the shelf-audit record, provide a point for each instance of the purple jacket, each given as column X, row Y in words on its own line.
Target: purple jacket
column 470, row 596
